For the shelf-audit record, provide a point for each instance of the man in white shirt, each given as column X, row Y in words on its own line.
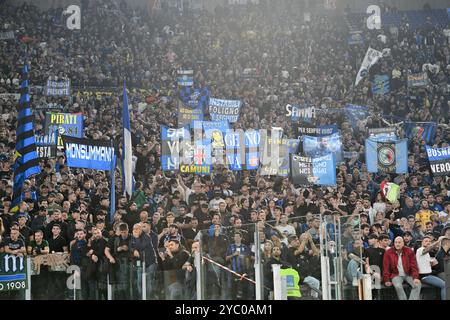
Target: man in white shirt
column 284, row 228
column 425, row 262
column 371, row 213
column 214, row 203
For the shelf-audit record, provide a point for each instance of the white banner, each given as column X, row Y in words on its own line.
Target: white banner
column 57, row 88
column 10, row 96
column 372, row 56
column 7, row 35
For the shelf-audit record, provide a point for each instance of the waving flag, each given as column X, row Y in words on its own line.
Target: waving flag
column 371, row 57
column 387, row 156
column 127, row 152
column 26, row 160
column 439, row 159
column 390, row 191
column 423, row 130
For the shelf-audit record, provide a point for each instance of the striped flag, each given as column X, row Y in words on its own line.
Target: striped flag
column 26, row 159
column 421, row 130
column 127, row 152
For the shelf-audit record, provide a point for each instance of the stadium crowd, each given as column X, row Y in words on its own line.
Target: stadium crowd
column 169, row 215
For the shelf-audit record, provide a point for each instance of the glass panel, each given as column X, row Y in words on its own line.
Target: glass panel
column 228, row 262
column 299, row 241
column 351, row 248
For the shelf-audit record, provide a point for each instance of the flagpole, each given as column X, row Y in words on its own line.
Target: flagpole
column 112, row 204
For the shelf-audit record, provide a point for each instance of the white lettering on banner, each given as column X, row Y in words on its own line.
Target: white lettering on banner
column 253, row 137
column 224, row 110
column 174, row 147
column 88, row 152
column 172, row 163
column 176, row 133
column 294, row 111
column 440, row 167
column 320, row 167
column 441, row 152
column 236, row 141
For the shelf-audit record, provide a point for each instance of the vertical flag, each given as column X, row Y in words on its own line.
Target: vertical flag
column 387, row 156
column 127, row 151
column 26, row 159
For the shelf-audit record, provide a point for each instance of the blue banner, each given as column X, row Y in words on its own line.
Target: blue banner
column 235, row 149
column 187, row 116
column 381, row 84
column 324, row 170
column 68, row 124
column 422, row 130
column 387, row 157
column 46, row 144
column 252, row 142
column 194, row 98
column 210, row 125
column 89, row 154
column 171, row 146
column 355, row 37
column 383, row 134
column 201, row 160
column 418, row 80
column 289, row 146
column 355, row 113
column 220, row 109
column 242, row 149
column 320, row 146
column 305, row 129
column 439, row 159
column 185, row 78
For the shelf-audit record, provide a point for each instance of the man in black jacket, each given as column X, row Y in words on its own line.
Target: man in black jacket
column 143, row 247
column 56, row 219
column 96, row 245
column 172, row 263
column 79, row 257
column 443, row 253
column 117, row 252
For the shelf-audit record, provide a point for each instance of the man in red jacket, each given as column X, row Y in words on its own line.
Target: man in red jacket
column 400, row 265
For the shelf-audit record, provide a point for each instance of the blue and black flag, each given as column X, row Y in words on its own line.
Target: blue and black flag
column 194, row 98
column 26, row 159
column 422, row 130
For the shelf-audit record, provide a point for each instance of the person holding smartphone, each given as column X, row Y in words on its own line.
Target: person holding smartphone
column 425, row 263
